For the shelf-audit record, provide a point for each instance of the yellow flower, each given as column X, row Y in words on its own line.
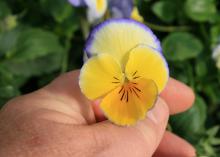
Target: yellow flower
column 126, row 70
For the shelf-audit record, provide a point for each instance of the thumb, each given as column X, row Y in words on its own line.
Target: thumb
column 140, row 140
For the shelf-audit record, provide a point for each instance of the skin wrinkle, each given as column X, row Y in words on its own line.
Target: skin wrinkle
column 21, row 127
column 78, row 118
column 166, row 142
column 150, row 124
column 72, row 96
column 131, row 141
column 44, row 94
column 58, row 117
column 47, row 139
column 36, row 108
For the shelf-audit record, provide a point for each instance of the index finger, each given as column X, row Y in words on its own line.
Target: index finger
column 178, row 96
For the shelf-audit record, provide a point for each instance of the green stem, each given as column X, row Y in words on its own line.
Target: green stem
column 191, row 77
column 65, row 56
column 204, row 34
column 85, row 27
column 169, row 127
column 167, row 28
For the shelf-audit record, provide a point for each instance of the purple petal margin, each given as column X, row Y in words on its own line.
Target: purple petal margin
column 97, row 28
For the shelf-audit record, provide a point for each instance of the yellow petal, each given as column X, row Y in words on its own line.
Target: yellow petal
column 136, row 15
column 117, row 36
column 129, row 103
column 145, row 62
column 99, row 6
column 99, row 75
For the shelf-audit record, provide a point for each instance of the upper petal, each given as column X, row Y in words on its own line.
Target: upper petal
column 99, row 75
column 145, row 62
column 117, row 36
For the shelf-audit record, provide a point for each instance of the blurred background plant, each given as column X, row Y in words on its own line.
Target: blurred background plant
column 41, row 39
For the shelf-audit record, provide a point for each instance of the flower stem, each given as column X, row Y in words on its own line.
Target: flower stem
column 205, row 35
column 167, row 28
column 64, row 65
column 85, row 27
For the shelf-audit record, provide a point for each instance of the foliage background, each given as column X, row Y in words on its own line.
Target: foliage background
column 41, row 39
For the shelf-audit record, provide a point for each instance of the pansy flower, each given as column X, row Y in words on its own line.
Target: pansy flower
column 125, row 70
column 96, row 8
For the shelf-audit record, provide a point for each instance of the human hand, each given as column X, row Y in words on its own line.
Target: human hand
column 58, row 121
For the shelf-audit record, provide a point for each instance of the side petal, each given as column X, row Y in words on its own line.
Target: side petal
column 99, row 75
column 145, row 62
column 117, row 36
column 129, row 103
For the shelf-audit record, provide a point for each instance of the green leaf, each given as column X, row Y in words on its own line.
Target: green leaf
column 34, row 67
column 212, row 132
column 31, row 52
column 201, row 67
column 4, row 10
column 8, row 85
column 7, row 78
column 59, row 9
column 179, row 46
column 68, row 27
column 34, row 43
column 190, row 123
column 8, row 41
column 215, row 141
column 165, row 10
column 200, row 10
column 215, row 35
column 8, row 91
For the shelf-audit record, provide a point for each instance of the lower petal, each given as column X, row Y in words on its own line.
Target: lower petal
column 129, row 103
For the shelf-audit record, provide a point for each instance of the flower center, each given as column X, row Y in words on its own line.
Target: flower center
column 129, row 88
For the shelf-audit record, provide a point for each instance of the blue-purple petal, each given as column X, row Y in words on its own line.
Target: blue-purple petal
column 121, row 8
column 77, row 3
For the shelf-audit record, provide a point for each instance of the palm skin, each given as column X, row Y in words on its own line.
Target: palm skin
column 58, row 121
